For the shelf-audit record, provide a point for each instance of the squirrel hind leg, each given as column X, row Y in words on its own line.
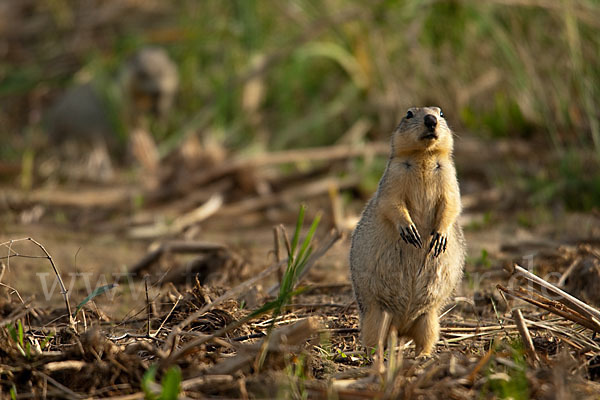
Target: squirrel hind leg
column 370, row 324
column 425, row 332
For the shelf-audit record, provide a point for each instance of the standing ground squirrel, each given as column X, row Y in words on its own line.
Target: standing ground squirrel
column 392, row 267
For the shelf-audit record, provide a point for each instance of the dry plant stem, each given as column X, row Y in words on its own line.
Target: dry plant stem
column 63, row 289
column 292, row 335
column 383, row 332
column 482, row 363
column 291, row 195
column 571, row 301
column 18, row 313
column 75, row 365
column 233, row 292
column 567, row 273
column 524, row 331
column 276, row 244
column 148, row 312
column 206, row 380
column 174, row 247
column 288, row 244
column 566, row 334
column 328, row 153
column 161, row 228
column 395, row 361
column 189, row 346
column 67, row 393
column 553, row 307
column 179, row 298
column 15, row 291
column 228, row 295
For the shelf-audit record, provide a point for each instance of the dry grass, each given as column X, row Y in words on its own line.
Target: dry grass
column 313, row 350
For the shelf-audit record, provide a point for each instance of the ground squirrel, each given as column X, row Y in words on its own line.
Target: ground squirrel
column 83, row 124
column 147, row 86
column 394, row 267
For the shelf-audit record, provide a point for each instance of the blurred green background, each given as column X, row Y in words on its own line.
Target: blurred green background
column 268, row 75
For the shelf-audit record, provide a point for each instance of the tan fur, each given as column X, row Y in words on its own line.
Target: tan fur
column 418, row 188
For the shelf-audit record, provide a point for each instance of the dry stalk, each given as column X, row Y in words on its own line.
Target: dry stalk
column 176, row 354
column 179, row 298
column 63, row 289
column 524, row 331
column 285, row 338
column 554, row 307
column 148, row 311
column 482, row 363
column 567, row 299
column 568, row 271
column 66, row 392
column 228, row 295
column 177, row 246
column 329, row 153
column 565, row 333
column 384, row 329
column 291, row 195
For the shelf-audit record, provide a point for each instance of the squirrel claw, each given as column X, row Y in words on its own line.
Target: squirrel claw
column 438, row 243
column 410, row 235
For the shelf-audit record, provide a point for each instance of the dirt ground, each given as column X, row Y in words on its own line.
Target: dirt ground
column 97, row 235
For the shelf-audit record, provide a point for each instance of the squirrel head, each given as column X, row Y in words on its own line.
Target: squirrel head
column 422, row 130
column 150, row 79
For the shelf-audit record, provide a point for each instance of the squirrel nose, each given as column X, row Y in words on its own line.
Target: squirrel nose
column 430, row 122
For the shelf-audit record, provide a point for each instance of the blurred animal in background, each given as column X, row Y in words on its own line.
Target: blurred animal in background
column 81, row 133
column 150, row 79
column 85, row 130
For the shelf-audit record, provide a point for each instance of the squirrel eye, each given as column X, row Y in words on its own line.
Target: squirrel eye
column 442, row 114
column 409, row 115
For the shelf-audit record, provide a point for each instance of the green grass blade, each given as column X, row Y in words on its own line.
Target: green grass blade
column 147, row 379
column 20, row 332
column 298, row 291
column 271, row 305
column 302, row 264
column 47, row 340
column 95, row 293
column 171, row 384
column 296, row 237
column 12, row 332
column 288, row 279
column 305, row 245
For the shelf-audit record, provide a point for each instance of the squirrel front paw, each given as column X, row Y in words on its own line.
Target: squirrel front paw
column 438, row 243
column 410, row 235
